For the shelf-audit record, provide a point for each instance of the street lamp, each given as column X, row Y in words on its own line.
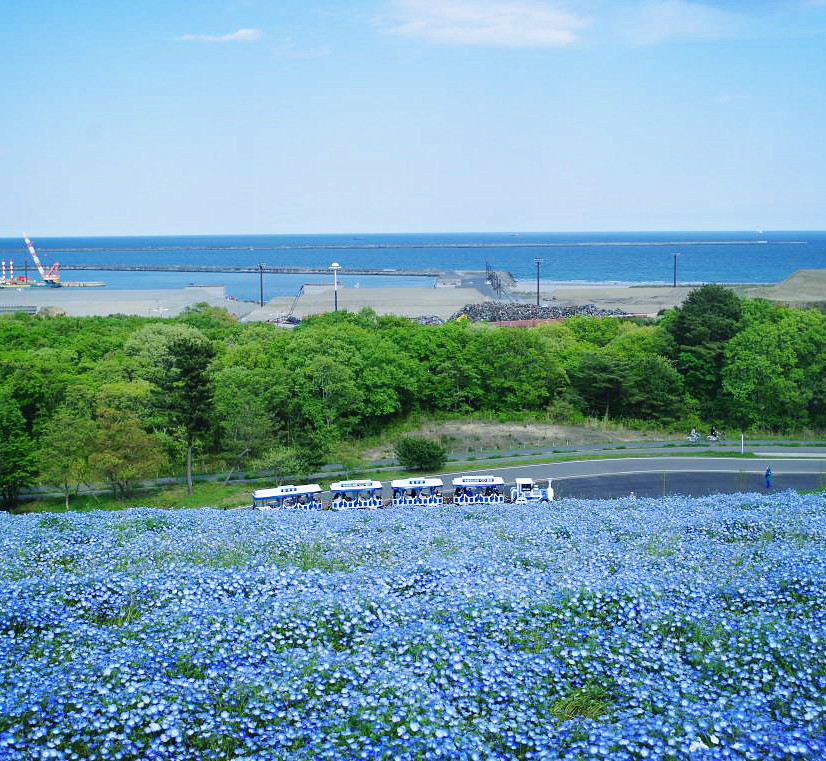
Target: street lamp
column 538, row 263
column 261, row 283
column 675, row 269
column 335, row 267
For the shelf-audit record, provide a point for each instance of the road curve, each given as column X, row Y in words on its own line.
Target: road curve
column 661, row 476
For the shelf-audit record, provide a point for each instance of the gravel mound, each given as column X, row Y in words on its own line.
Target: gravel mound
column 493, row 312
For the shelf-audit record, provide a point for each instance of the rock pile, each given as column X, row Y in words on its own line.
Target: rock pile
column 288, row 320
column 491, row 311
column 429, row 320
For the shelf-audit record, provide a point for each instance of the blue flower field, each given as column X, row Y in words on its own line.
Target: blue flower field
column 630, row 629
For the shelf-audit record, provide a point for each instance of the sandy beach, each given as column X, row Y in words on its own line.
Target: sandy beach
column 804, row 287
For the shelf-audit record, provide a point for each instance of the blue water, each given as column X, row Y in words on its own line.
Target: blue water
column 586, row 257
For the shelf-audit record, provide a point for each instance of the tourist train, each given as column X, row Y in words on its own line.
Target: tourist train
column 404, row 492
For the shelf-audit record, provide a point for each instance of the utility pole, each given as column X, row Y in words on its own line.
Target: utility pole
column 538, row 263
column 675, row 269
column 335, row 267
column 261, row 282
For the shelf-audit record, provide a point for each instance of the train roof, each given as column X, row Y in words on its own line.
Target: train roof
column 416, row 483
column 287, row 491
column 355, row 485
column 479, row 481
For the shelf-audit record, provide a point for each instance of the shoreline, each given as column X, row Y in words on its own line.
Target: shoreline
column 803, row 288
column 806, row 288
column 526, row 285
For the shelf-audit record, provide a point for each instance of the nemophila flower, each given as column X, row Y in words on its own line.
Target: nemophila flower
column 628, row 629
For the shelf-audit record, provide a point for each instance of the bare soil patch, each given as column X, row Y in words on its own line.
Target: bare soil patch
column 468, row 436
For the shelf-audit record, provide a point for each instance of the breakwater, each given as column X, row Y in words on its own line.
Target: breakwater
column 267, row 270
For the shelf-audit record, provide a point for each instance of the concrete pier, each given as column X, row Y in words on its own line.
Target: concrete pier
column 83, row 302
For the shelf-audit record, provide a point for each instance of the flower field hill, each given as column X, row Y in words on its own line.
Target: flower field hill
column 630, row 629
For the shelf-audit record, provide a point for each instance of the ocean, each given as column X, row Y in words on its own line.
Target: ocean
column 617, row 258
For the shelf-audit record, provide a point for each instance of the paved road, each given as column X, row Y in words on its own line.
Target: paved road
column 646, row 476
column 658, row 476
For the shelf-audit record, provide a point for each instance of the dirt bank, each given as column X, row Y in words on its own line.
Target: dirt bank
column 460, row 436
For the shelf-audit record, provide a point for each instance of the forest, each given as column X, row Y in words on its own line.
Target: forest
column 118, row 399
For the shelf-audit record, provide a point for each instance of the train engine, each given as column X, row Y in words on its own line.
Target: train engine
column 527, row 491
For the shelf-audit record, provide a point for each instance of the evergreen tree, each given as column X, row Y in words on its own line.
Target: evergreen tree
column 598, row 379
column 185, row 390
column 707, row 320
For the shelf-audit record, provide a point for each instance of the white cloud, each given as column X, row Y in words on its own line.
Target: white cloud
column 242, row 35
column 487, row 23
column 656, row 21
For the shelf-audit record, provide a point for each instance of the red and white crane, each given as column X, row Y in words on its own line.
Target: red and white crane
column 52, row 276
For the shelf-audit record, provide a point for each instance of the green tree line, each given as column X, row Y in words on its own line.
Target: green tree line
column 117, row 399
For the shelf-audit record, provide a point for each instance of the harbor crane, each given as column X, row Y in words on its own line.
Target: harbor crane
column 50, row 277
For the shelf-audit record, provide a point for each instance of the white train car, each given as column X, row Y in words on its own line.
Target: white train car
column 305, row 497
column 353, row 495
column 478, row 490
column 417, row 491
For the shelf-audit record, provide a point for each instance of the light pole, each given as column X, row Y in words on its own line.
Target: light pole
column 538, row 263
column 261, row 283
column 335, row 267
column 675, row 269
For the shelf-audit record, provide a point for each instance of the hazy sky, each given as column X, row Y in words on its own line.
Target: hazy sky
column 257, row 116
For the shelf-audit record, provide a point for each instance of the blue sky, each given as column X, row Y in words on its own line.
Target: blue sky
column 256, row 116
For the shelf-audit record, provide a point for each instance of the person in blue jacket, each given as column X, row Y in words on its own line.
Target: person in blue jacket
column 769, row 475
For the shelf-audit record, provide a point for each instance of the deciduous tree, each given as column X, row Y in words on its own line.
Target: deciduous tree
column 419, row 453
column 123, row 452
column 241, row 401
column 66, row 443
column 17, row 450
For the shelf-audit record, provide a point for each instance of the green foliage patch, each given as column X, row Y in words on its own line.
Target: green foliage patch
column 123, row 399
column 419, row 453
